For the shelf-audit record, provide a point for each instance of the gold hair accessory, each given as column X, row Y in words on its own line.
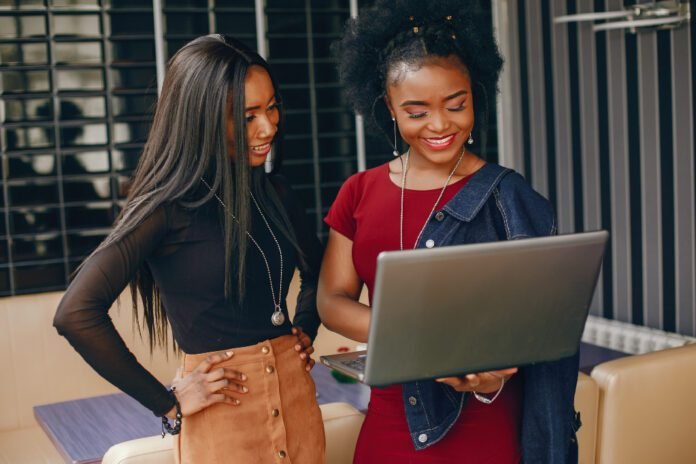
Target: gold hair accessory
column 448, row 18
column 415, row 29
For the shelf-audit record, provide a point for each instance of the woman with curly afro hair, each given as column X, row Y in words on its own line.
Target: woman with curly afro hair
column 431, row 66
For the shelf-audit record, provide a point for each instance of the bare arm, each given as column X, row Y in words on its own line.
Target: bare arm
column 339, row 290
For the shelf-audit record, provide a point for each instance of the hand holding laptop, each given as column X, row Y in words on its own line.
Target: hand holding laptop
column 482, row 382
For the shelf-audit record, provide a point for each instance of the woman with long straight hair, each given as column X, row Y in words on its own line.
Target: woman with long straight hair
column 209, row 242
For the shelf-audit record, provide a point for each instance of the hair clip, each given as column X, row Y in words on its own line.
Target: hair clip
column 415, row 29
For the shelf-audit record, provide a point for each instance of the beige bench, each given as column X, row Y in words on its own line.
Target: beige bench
column 633, row 410
column 43, row 368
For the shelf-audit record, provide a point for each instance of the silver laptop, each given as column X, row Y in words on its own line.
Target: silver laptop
column 474, row 308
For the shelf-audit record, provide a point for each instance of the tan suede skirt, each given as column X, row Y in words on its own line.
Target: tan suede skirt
column 278, row 420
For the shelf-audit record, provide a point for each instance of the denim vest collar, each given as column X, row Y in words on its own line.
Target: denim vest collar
column 468, row 202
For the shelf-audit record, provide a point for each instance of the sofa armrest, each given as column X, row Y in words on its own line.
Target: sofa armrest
column 647, row 410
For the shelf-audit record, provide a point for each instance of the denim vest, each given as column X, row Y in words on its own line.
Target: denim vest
column 498, row 204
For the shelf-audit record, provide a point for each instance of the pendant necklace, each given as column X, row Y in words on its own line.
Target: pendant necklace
column 277, row 318
column 404, row 170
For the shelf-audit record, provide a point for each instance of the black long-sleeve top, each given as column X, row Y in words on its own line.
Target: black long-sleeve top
column 184, row 249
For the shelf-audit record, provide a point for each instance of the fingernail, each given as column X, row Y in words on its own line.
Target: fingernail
column 237, row 402
column 245, row 389
column 243, row 376
column 303, row 356
column 230, row 354
column 298, row 347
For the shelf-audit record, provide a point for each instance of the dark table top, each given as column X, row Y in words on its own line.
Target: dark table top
column 83, row 430
column 591, row 355
column 329, row 390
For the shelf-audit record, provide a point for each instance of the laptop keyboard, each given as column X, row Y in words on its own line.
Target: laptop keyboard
column 358, row 363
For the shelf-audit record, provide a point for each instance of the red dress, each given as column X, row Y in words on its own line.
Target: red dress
column 367, row 211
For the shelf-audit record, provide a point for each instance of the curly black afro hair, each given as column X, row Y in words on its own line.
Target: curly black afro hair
column 394, row 32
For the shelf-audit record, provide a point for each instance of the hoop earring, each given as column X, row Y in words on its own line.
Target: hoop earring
column 470, row 139
column 396, row 150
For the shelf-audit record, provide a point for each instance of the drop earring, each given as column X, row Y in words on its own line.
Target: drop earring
column 396, row 150
column 470, row 140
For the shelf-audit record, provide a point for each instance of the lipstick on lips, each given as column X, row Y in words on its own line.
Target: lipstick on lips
column 439, row 143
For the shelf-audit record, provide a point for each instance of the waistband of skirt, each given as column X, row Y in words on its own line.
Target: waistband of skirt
column 244, row 354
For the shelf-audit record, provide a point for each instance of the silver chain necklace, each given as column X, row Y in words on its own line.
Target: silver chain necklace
column 404, row 170
column 277, row 318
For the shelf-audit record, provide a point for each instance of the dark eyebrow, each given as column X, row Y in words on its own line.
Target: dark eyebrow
column 456, row 94
column 422, row 103
column 252, row 108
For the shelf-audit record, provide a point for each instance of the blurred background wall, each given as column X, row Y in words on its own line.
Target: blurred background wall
column 600, row 122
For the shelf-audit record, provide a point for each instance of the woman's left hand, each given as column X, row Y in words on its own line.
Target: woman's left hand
column 304, row 347
column 482, row 382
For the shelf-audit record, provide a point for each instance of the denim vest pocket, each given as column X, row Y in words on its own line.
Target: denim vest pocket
column 431, row 409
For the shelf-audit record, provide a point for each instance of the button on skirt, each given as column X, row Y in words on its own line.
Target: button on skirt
column 278, row 420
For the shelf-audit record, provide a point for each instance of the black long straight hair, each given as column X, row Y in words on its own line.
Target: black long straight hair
column 186, row 143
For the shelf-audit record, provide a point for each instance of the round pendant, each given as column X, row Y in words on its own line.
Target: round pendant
column 277, row 318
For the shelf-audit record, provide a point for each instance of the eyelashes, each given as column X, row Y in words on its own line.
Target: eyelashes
column 273, row 107
column 424, row 113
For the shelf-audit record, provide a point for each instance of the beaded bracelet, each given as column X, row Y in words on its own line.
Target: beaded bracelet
column 166, row 426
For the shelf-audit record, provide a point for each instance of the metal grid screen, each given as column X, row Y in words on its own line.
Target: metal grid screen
column 76, row 83
column 78, row 79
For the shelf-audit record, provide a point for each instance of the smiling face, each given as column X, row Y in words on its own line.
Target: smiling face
column 434, row 108
column 261, row 113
